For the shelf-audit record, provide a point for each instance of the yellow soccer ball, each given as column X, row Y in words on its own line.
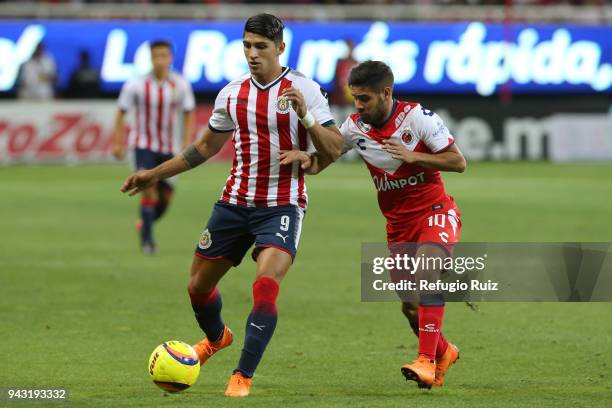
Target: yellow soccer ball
column 174, row 366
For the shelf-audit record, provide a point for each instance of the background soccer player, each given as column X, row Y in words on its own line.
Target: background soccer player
column 405, row 146
column 263, row 202
column 155, row 98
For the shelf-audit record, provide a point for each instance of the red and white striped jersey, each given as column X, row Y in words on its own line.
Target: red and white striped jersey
column 155, row 105
column 404, row 190
column 263, row 123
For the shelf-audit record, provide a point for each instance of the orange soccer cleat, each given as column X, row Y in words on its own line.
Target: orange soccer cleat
column 450, row 356
column 205, row 349
column 422, row 370
column 238, row 386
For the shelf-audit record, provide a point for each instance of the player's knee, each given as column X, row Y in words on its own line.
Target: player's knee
column 273, row 274
column 197, row 284
column 265, row 293
column 410, row 310
column 150, row 193
column 201, row 282
column 432, row 299
column 165, row 193
column 273, row 263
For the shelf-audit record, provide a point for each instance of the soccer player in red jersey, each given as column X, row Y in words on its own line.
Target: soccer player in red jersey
column 268, row 110
column 405, row 146
column 155, row 99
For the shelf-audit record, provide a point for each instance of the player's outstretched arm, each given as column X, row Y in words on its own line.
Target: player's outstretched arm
column 311, row 163
column 326, row 139
column 195, row 154
column 450, row 160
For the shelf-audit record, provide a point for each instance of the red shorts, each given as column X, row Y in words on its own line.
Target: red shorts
column 441, row 225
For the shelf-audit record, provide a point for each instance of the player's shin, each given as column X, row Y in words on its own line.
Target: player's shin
column 165, row 193
column 147, row 214
column 411, row 311
column 431, row 315
column 260, row 325
column 207, row 308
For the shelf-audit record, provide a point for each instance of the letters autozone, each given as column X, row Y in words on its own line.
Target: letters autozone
column 66, row 132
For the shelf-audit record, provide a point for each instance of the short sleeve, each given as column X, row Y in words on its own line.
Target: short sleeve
column 316, row 101
column 188, row 103
column 345, row 131
column 127, row 97
column 431, row 130
column 220, row 120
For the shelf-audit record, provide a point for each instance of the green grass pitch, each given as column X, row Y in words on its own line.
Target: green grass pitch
column 81, row 308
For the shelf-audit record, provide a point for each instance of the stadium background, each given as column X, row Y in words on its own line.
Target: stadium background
column 81, row 308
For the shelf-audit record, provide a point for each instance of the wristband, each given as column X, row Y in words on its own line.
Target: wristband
column 308, row 120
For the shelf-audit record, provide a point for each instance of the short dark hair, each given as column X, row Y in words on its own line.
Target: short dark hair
column 159, row 44
column 375, row 75
column 266, row 25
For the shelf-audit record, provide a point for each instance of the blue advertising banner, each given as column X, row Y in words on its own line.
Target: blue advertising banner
column 466, row 58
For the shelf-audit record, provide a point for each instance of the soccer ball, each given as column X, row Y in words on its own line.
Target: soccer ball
column 174, row 366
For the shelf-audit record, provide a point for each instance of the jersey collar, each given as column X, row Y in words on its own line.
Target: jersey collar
column 378, row 133
column 384, row 122
column 168, row 79
column 271, row 84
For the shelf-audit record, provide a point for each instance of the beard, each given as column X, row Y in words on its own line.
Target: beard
column 376, row 117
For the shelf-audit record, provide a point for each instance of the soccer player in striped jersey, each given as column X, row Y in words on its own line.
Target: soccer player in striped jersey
column 405, row 146
column 155, row 99
column 266, row 111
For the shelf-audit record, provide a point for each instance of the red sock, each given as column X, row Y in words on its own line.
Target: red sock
column 265, row 292
column 442, row 346
column 430, row 325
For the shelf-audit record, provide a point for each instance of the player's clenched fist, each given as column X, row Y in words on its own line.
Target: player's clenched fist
column 138, row 182
column 298, row 103
column 291, row 156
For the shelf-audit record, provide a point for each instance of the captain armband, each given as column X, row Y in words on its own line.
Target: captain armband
column 193, row 157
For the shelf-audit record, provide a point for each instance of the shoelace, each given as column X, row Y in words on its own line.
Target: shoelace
column 209, row 349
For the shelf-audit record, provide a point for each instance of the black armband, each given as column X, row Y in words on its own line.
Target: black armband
column 193, row 157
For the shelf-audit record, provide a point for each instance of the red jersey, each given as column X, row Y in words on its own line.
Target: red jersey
column 405, row 191
column 263, row 122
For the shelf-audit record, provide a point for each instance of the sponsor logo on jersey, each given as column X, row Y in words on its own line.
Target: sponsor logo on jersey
column 402, row 115
column 440, row 128
column 283, row 105
column 406, row 136
column 361, row 144
column 384, row 184
column 364, row 127
column 205, row 240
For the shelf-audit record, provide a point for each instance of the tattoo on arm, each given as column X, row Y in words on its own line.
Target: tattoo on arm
column 193, row 157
